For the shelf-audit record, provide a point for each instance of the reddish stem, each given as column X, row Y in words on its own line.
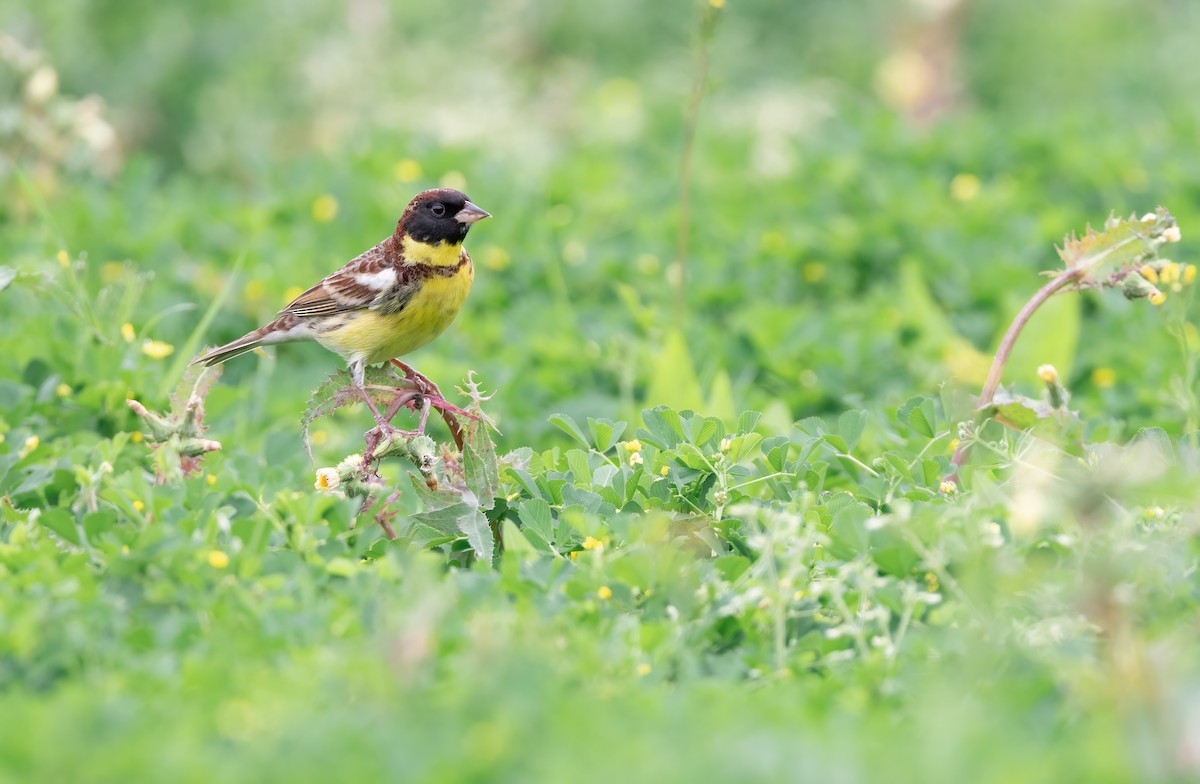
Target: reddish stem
column 988, row 393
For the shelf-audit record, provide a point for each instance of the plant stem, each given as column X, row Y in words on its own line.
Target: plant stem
column 708, row 26
column 992, row 383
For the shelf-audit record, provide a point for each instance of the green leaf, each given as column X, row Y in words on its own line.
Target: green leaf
column 748, row 421
column 742, row 446
column 341, row 567
column 674, row 381
column 919, row 414
column 7, row 276
column 61, row 522
column 535, row 515
column 605, row 433
column 581, row 470
column 566, row 424
column 338, row 391
column 480, row 468
column 850, row 427
column 662, row 427
column 1124, row 243
column 474, row 524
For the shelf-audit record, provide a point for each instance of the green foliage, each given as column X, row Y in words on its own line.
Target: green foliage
column 645, row 585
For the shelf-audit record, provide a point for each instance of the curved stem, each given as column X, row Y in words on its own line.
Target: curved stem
column 988, row 393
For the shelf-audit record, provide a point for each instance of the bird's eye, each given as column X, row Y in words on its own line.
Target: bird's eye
column 438, row 210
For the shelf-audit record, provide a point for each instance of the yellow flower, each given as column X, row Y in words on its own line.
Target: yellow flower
column 127, row 333
column 953, row 444
column 931, row 582
column 1158, row 298
column 1189, row 274
column 1048, row 374
column 814, row 272
column 138, row 504
column 112, row 271
column 635, row 459
column 318, row 437
column 1104, row 377
column 211, row 479
column 643, row 669
column 32, row 443
column 1149, row 273
column 592, row 543
column 255, row 290
column 1169, row 273
column 718, row 4
column 725, row 445
column 324, row 208
column 604, row 593
column 407, row 170
column 136, row 436
column 157, row 349
column 218, row 559
column 328, row 479
column 947, row 487
column 496, row 258
column 964, row 187
column 665, row 470
column 64, row 260
column 455, row 180
column 633, row 446
column 63, row 390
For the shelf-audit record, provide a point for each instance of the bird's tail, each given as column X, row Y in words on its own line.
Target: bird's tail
column 280, row 330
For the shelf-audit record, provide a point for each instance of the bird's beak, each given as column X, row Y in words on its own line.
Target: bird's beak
column 470, row 213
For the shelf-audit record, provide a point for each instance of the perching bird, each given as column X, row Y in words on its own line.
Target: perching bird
column 391, row 300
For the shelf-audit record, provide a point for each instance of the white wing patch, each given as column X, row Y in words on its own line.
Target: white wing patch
column 377, row 281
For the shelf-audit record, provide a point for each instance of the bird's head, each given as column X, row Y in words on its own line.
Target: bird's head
column 442, row 215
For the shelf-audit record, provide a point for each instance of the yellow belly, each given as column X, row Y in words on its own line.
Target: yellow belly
column 377, row 337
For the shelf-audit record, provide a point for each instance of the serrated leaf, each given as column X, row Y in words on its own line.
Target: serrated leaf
column 919, row 414
column 1059, row 426
column 474, row 524
column 61, row 522
column 1123, row 244
column 480, row 467
column 568, row 425
column 338, row 391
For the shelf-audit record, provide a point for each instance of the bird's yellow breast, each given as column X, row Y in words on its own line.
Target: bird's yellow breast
column 378, row 337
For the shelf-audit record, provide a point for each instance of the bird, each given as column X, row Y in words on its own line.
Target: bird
column 386, row 302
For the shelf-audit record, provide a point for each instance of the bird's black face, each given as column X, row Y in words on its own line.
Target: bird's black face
column 438, row 216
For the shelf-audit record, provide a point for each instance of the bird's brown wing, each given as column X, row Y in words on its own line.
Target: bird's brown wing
column 364, row 282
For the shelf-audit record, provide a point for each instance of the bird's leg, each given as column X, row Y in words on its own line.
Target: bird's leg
column 429, row 394
column 358, row 370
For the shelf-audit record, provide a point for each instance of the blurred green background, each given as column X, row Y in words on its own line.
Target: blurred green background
column 875, row 188
column 831, row 256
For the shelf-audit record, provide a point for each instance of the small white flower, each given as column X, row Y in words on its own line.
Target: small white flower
column 1172, row 234
column 635, row 459
column 328, row 479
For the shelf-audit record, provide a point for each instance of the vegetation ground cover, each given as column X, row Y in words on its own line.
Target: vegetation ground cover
column 730, row 551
